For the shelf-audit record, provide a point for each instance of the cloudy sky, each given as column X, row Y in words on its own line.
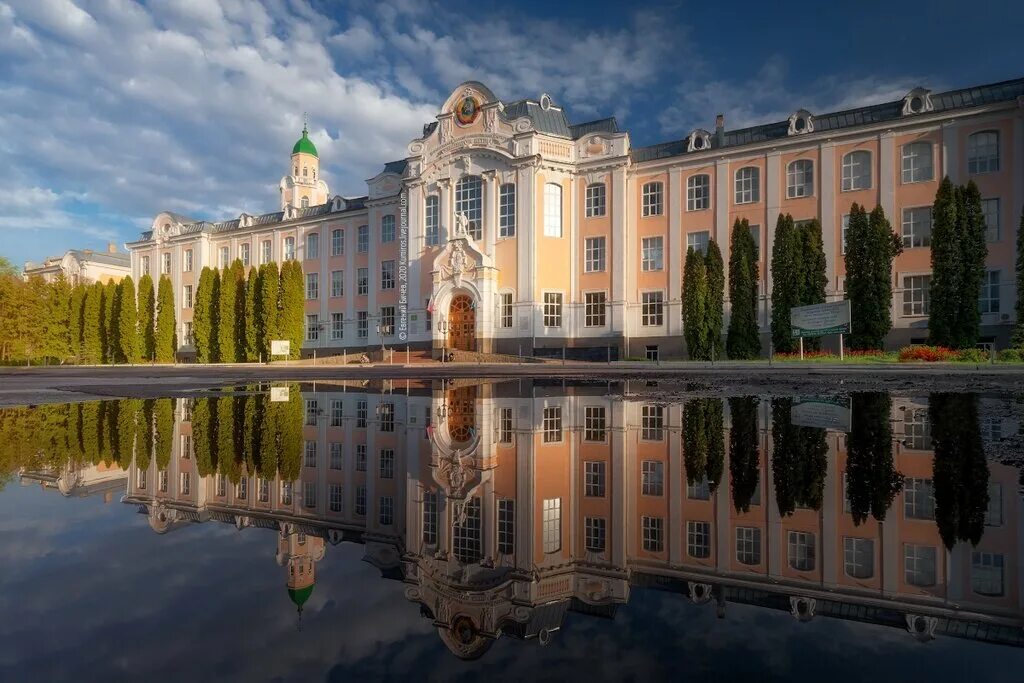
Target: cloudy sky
column 111, row 110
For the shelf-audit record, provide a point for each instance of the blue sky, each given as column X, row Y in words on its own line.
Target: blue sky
column 111, row 111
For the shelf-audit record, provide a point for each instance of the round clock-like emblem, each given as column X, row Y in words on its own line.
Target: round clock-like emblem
column 466, row 110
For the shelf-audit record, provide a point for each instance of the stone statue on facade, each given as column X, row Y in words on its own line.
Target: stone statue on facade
column 461, row 225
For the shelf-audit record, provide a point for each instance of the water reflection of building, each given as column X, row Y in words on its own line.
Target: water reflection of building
column 80, row 480
column 503, row 507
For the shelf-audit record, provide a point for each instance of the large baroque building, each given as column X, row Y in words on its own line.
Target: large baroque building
column 82, row 266
column 528, row 233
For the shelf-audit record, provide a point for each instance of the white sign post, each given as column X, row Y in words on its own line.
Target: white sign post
column 280, row 347
column 278, row 394
column 818, row 320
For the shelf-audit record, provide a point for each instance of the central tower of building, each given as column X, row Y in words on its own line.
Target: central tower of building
column 303, row 187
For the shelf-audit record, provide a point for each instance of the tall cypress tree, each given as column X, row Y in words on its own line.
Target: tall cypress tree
column 785, row 282
column 77, row 306
column 251, row 333
column 973, row 249
column 871, row 246
column 225, row 305
column 58, row 322
column 1018, row 332
column 743, row 341
column 203, row 315
column 129, row 343
column 960, row 469
column 163, row 339
column 147, row 317
column 92, row 324
column 944, row 288
column 266, row 307
column 292, row 310
column 872, row 480
column 241, row 296
column 111, row 350
column 744, row 454
column 695, row 301
column 716, row 299
column 812, row 274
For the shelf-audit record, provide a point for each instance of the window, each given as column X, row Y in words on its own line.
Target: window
column 748, row 185
column 337, row 283
column 748, row 545
column 305, row 200
column 312, row 285
column 337, row 242
column 145, row 265
column 698, row 539
column 698, row 192
column 242, row 489
column 505, row 426
column 994, row 511
column 652, row 249
column 988, row 299
column 915, row 294
column 652, row 309
column 595, row 200
column 224, row 257
column 310, row 460
column 990, row 209
column 266, row 249
column 552, row 525
column 552, row 210
column 652, row 423
column 312, row 327
column 430, row 517
column 983, row 152
column 917, row 162
column 987, row 573
column 432, row 220
column 859, row 557
column 313, row 245
column 186, row 483
column 653, row 478
column 917, row 430
column 140, row 479
column 651, row 197
column 653, row 529
column 506, row 526
column 552, row 424
column 698, row 241
column 361, row 501
column 386, row 511
column 166, row 264
column 595, row 531
column 594, row 424
column 698, row 490
column 594, row 308
column 186, row 296
column 387, row 321
column 918, row 499
column 507, row 210
column 264, row 489
column 289, row 248
column 362, row 281
column 360, row 457
column 801, row 551
column 466, row 536
column 387, row 274
column 856, row 171
column 189, row 338
column 651, row 352
column 846, row 229
column 337, row 460
column 362, row 324
column 386, row 417
column 594, row 254
column 552, row 309
column 337, row 412
column 505, row 309
column 386, row 468
column 387, row 228
column 469, row 202
column 593, row 479
column 800, row 179
column 919, row 565
column 188, row 261
column 334, row 497
column 286, row 493
column 309, row 494
column 243, row 251
column 312, row 411
column 363, row 239
column 337, row 326
column 162, row 481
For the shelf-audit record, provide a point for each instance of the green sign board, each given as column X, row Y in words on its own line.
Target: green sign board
column 819, row 320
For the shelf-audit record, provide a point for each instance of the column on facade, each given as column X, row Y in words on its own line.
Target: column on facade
column 525, row 486
column 722, row 188
column 575, row 298
column 619, row 254
column 490, row 227
column 676, row 249
column 829, row 225
column 444, row 186
column 676, row 479
column 373, row 267
column 414, row 200
column 950, row 145
column 621, row 512
column 349, row 325
column 886, row 175
column 525, row 279
column 1018, row 195
column 324, row 334
column 773, row 192
column 774, row 541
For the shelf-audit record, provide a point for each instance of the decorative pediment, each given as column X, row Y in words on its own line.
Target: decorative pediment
column 698, row 141
column 917, row 101
column 338, row 204
column 801, row 121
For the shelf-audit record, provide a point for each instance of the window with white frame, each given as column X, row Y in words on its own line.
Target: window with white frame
column 334, row 497
column 698, row 539
column 918, row 498
column 755, row 235
column 698, row 241
column 313, row 285
column 224, row 257
column 552, row 424
column 698, row 192
column 310, row 459
column 386, row 466
column 552, row 210
column 505, row 426
column 994, row 511
column 386, row 417
column 915, row 294
column 748, row 185
column 360, row 457
column 386, row 511
column 594, row 479
column 987, row 573
column 362, row 281
column 305, row 200
column 289, row 248
column 363, row 239
column 595, row 203
column 337, row 242
column 917, row 429
column 595, row 309
column 990, row 210
column 243, row 252
column 189, row 337
column 652, row 253
column 552, row 510
column 466, row 543
column 552, row 309
column 166, row 264
column 652, row 422
column 856, row 171
column 361, row 500
column 337, row 459
column 505, row 309
column 242, row 489
column 309, row 494
column 221, row 482
column 919, row 565
column 140, row 479
column 506, row 526
column 594, row 424
column 748, row 545
column 186, row 296
column 801, row 547
column 653, row 533
column 859, row 557
column 698, row 489
column 430, row 517
column 313, row 245
column 312, row 411
column 362, row 324
column 653, row 478
column 594, row 253
column 387, row 228
column 988, row 299
column 263, row 486
column 983, row 152
column 469, row 202
column 337, row 326
column 145, row 265
column 186, row 483
column 652, row 199
column 652, row 309
column 312, row 327
column 800, row 179
column 286, row 493
column 595, row 533
column 432, row 220
column 337, row 283
column 266, row 251
column 507, row 210
column 845, row 230
column 917, row 162
column 387, row 274
column 337, row 412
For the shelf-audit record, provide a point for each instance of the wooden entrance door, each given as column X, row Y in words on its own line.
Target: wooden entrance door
column 462, row 324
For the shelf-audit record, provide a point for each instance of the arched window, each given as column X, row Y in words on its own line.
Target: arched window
column 800, row 179
column 748, row 185
column 857, row 171
column 552, row 210
column 698, row 192
column 305, row 202
column 469, row 202
column 983, row 152
column 917, row 162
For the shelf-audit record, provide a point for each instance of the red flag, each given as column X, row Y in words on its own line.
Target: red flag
column 430, row 305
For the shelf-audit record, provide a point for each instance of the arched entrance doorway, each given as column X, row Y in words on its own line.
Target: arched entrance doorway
column 461, row 413
column 462, row 323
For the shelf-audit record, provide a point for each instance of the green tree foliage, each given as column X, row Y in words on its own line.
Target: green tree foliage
column 960, row 469
column 57, row 321
column 92, row 326
column 871, row 477
column 267, row 306
column 76, row 311
column 743, row 341
column 714, row 422
column 128, row 323
column 163, row 339
column 251, row 333
column 786, row 281
column 204, row 312
column 144, row 444
column 744, row 454
column 91, row 432
column 695, row 441
column 292, row 312
column 226, row 301
column 1018, row 331
column 227, row 462
column 799, row 460
column 204, row 435
column 812, row 275
column 695, row 303
column 147, row 317
column 288, row 423
column 871, row 246
column 716, row 299
column 126, row 426
column 241, row 292
column 163, row 431
column 111, row 309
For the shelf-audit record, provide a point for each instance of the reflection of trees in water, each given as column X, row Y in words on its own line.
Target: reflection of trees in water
column 163, row 431
column 960, row 470
column 871, row 477
column 799, row 460
column 703, row 441
column 744, row 461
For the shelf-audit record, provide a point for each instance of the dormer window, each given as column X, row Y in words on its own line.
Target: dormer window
column 917, row 101
column 698, row 141
column 801, row 122
column 545, row 102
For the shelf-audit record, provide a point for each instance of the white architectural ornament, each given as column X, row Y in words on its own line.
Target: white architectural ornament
column 698, row 141
column 458, row 264
column 461, row 226
column 917, row 101
column 801, row 121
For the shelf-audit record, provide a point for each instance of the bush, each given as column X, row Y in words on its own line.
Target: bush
column 973, row 356
column 848, row 353
column 927, row 354
column 1012, row 355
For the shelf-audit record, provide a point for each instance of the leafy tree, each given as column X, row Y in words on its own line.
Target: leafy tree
column 799, row 460
column 227, row 462
column 226, row 295
column 92, row 324
column 128, row 322
column 871, row 246
column 1018, row 332
column 716, row 295
column 960, row 469
column 58, row 321
column 204, row 436
column 32, row 309
column 715, row 423
column 163, row 338
column 251, row 329
column 743, row 341
column 241, row 292
column 811, row 271
column 8, row 269
column 744, row 454
column 973, row 250
column 76, row 307
column 267, row 306
column 203, row 314
column 871, row 478
column 111, row 307
column 695, row 441
column 147, row 317
column 292, row 311
column 786, row 282
column 163, row 431
column 288, row 424
column 126, row 429
column 695, row 302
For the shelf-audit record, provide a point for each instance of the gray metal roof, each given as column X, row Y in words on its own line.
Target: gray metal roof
column 116, row 259
column 551, row 121
column 607, row 125
column 396, row 166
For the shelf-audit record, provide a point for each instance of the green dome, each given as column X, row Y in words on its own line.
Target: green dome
column 305, row 145
column 300, row 595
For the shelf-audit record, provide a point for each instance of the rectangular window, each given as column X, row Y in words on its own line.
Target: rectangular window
column 698, row 241
column 856, row 171
column 337, row 242
column 264, row 489
column 362, row 324
column 312, row 327
column 289, row 248
column 310, row 460
column 505, row 426
column 652, row 253
column 652, row 204
column 505, row 310
column 987, row 574
column 361, row 501
column 337, row 283
column 552, row 525
column 312, row 411
column 593, row 476
column 313, row 245
column 594, row 254
column 430, row 518
column 506, row 526
column 917, row 429
column 225, row 258
column 552, row 309
column 387, row 228
column 755, row 235
column 337, row 326
column 243, row 251
column 387, row 321
column 748, row 185
column 552, row 210
column 286, row 493
column 337, row 412
column 800, row 179
column 221, row 483
column 186, row 298
column 387, row 274
column 360, row 457
column 653, row 478
column 337, row 460
column 507, row 210
column 653, row 529
column 915, row 294
column 166, row 267
column 990, row 209
column 145, row 265
column 919, row 565
column 917, row 227
column 309, row 494
column 386, row 468
column 386, row 511
column 983, row 152
column 652, row 423
column 312, row 286
column 362, row 281
column 162, row 480
column 186, row 483
column 698, row 539
column 242, row 489
column 552, row 424
column 748, row 545
column 189, row 337
column 842, row 237
column 802, row 556
column 918, row 499
column 334, row 496
column 917, row 162
column 859, row 557
column 432, row 220
column 595, row 200
column 363, row 239
column 466, row 543
column 595, row 531
column 361, row 414
column 652, row 308
column 386, row 417
column 594, row 423
column 988, row 299
column 188, row 262
column 595, row 308
column 266, row 251
column 994, row 511
column 698, row 192
column 698, row 490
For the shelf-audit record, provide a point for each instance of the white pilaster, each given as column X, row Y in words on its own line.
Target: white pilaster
column 827, row 210
column 676, row 249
